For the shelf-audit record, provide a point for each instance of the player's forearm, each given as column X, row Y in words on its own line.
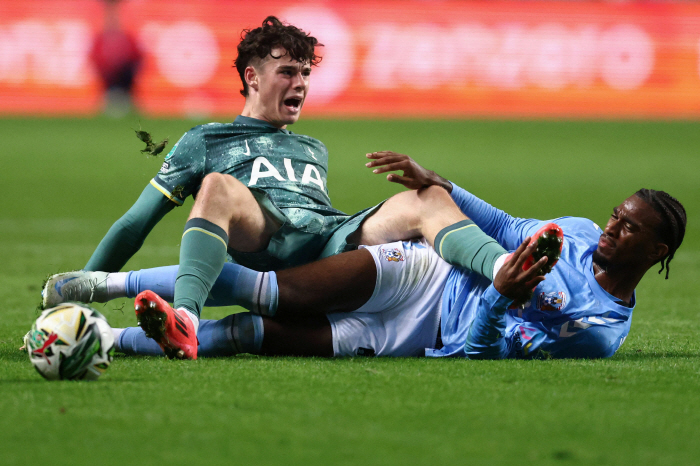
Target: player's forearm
column 509, row 231
column 115, row 249
column 490, row 219
column 486, row 336
column 128, row 233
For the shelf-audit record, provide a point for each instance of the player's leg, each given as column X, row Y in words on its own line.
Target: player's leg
column 431, row 213
column 410, row 214
column 339, row 283
column 399, row 282
column 235, row 286
column 242, row 333
column 225, row 214
column 395, row 290
column 306, row 337
column 335, row 284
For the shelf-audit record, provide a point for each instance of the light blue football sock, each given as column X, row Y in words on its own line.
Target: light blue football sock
column 160, row 280
column 236, row 333
column 235, row 286
column 246, row 332
column 134, row 341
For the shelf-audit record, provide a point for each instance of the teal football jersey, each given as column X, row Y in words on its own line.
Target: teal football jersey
column 286, row 173
column 291, row 168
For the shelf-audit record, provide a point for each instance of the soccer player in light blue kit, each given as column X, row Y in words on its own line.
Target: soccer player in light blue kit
column 402, row 299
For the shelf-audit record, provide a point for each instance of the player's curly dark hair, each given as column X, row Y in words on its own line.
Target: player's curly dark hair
column 673, row 219
column 259, row 42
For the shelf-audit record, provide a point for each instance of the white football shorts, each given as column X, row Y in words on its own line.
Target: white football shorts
column 403, row 314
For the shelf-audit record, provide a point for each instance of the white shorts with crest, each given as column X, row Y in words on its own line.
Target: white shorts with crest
column 402, row 316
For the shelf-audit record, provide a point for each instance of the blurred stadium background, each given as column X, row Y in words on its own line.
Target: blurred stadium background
column 395, row 58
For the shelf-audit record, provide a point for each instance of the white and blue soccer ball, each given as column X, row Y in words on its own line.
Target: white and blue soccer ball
column 70, row 342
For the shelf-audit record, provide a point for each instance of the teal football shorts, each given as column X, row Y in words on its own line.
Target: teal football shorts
column 305, row 235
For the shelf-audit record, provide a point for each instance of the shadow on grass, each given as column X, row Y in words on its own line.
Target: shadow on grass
column 102, row 380
column 651, row 355
column 20, row 356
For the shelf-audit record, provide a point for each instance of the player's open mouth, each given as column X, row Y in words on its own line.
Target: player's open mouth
column 292, row 103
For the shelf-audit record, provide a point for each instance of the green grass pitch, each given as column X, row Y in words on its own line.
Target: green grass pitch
column 66, row 180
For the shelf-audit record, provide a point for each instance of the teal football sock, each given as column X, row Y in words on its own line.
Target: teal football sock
column 202, row 256
column 463, row 244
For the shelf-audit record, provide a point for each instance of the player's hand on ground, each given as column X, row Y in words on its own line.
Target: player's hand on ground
column 515, row 283
column 413, row 176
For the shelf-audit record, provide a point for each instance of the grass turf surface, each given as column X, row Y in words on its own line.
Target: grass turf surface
column 66, row 181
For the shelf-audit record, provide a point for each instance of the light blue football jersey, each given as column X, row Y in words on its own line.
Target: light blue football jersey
column 569, row 315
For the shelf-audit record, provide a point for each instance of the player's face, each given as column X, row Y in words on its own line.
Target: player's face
column 630, row 238
column 282, row 86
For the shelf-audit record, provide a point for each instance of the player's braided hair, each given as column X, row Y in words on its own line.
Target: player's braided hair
column 259, row 42
column 673, row 220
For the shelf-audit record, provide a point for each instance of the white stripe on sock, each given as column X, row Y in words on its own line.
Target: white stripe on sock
column 498, row 264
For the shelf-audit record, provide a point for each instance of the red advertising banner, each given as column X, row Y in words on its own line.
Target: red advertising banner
column 396, row 58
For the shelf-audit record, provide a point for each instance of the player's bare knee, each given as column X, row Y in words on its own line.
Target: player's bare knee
column 433, row 201
column 219, row 185
column 220, row 191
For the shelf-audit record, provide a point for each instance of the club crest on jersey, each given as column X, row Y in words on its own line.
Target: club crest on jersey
column 553, row 301
column 392, row 255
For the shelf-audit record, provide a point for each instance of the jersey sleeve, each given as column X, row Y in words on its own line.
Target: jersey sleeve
column 486, row 335
column 588, row 337
column 128, row 233
column 183, row 168
column 509, row 231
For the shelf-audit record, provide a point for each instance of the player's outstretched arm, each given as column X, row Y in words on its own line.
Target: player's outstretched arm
column 413, row 176
column 492, row 221
column 128, row 233
column 180, row 175
column 507, row 230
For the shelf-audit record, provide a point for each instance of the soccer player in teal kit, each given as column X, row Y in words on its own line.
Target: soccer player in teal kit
column 277, row 183
column 271, row 181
